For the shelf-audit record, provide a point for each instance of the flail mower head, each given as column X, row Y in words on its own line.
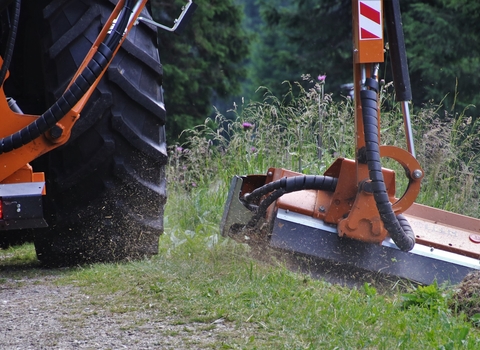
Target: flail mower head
column 349, row 217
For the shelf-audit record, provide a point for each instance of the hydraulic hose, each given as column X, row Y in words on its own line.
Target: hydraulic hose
column 10, row 41
column 118, row 30
column 76, row 91
column 292, row 184
column 398, row 227
column 62, row 106
column 286, row 185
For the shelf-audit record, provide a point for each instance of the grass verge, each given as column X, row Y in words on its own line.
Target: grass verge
column 265, row 306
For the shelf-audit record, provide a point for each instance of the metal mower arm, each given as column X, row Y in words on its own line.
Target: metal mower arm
column 180, row 22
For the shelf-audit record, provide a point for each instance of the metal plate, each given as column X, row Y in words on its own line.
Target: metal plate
column 444, row 230
column 297, row 234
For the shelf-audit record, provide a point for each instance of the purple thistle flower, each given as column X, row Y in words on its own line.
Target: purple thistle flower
column 253, row 150
column 179, row 149
column 322, row 78
column 247, row 125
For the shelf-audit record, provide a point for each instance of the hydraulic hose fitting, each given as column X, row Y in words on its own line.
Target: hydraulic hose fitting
column 417, row 174
column 376, row 68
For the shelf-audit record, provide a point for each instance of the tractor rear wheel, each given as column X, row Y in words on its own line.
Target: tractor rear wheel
column 106, row 187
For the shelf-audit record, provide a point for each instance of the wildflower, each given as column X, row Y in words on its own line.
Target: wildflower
column 247, row 125
column 179, row 149
column 194, row 184
column 253, row 150
column 322, row 78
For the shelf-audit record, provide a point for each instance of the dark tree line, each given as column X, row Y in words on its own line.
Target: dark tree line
column 232, row 47
column 204, row 62
column 442, row 42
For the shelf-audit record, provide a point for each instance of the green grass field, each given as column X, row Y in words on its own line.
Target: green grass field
column 202, row 278
column 263, row 305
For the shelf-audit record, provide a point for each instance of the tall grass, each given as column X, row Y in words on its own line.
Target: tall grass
column 449, row 152
column 285, row 132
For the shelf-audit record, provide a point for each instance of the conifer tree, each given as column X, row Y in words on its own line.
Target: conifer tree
column 315, row 37
column 204, row 62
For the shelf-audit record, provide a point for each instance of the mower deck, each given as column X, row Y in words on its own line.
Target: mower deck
column 320, row 243
column 447, row 248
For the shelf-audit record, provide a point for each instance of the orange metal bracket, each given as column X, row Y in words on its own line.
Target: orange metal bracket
column 368, row 31
column 351, row 207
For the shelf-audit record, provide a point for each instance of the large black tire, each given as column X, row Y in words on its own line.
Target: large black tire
column 106, row 187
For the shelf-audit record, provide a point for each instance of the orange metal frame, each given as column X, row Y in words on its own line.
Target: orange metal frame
column 351, row 207
column 14, row 165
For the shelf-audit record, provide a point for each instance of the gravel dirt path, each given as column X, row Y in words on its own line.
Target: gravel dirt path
column 35, row 313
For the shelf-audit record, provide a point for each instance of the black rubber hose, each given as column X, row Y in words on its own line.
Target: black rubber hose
column 262, row 208
column 62, row 106
column 288, row 185
column 399, row 230
column 7, row 59
column 119, row 28
column 294, row 183
column 70, row 97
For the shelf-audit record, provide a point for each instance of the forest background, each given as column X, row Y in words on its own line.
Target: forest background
column 232, row 47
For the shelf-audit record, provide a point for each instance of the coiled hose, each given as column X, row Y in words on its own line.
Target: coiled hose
column 285, row 185
column 397, row 226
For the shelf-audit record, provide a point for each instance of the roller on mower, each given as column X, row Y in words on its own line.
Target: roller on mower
column 349, row 217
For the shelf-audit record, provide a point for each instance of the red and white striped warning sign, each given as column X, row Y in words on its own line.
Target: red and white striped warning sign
column 370, row 19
